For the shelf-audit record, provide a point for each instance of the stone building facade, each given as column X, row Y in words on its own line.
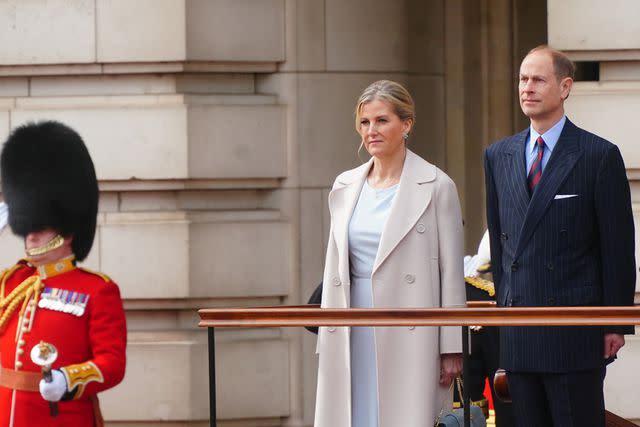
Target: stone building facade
column 217, row 127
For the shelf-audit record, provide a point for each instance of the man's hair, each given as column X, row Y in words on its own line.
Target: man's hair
column 562, row 65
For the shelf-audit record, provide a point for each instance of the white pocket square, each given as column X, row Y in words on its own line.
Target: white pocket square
column 564, row 196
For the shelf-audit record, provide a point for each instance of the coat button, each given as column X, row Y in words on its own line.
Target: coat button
column 336, row 281
column 18, row 364
column 514, row 266
column 550, row 266
column 331, row 329
column 420, row 228
column 551, row 301
column 504, row 236
column 409, row 278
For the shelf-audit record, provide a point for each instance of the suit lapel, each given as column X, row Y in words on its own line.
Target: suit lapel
column 514, row 165
column 563, row 158
column 412, row 198
column 342, row 202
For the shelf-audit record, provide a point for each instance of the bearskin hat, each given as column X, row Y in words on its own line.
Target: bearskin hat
column 48, row 181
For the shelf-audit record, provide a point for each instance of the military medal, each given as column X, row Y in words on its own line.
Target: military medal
column 63, row 300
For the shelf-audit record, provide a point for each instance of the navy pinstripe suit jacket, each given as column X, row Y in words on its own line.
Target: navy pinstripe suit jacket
column 570, row 243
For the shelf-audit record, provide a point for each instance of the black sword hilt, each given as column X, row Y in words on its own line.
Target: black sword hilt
column 48, row 377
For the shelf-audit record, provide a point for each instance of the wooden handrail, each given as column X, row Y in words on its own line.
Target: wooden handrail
column 475, row 314
column 521, row 316
column 613, row 420
column 481, row 304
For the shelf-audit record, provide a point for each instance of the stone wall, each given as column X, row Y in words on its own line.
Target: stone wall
column 217, row 128
column 190, row 156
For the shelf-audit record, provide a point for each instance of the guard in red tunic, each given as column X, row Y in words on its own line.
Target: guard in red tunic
column 50, row 187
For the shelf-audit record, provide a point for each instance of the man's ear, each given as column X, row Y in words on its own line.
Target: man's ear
column 565, row 87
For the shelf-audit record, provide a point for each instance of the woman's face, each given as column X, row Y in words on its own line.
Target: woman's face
column 381, row 129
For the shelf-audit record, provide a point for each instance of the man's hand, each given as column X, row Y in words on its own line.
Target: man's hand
column 612, row 343
column 450, row 367
column 54, row 390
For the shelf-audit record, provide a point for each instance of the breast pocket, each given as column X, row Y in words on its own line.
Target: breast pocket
column 566, row 205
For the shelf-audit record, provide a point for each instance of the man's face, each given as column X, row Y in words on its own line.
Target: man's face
column 542, row 95
column 41, row 240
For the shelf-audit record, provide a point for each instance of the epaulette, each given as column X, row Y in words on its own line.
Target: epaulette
column 8, row 272
column 96, row 273
column 482, row 284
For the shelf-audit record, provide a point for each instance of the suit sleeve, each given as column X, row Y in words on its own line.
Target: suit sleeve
column 493, row 224
column 449, row 223
column 108, row 340
column 616, row 231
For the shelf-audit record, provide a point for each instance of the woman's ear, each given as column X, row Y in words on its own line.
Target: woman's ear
column 407, row 125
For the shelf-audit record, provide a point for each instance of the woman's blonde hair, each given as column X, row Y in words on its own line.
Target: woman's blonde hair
column 393, row 93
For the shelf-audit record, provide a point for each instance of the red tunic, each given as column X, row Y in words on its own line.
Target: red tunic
column 93, row 337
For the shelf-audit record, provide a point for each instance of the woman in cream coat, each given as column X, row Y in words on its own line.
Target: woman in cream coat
column 395, row 241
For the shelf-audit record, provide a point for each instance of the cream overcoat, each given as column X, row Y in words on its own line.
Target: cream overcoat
column 419, row 264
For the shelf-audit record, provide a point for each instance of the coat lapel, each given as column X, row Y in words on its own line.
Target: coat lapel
column 563, row 158
column 342, row 202
column 411, row 200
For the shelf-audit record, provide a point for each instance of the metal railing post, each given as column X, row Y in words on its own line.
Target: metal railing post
column 212, row 377
column 465, row 375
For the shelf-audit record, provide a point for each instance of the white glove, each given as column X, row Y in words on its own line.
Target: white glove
column 4, row 215
column 471, row 264
column 54, row 390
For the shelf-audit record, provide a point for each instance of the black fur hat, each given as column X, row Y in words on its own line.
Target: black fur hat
column 48, row 181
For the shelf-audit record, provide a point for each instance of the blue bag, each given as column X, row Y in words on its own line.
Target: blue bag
column 456, row 418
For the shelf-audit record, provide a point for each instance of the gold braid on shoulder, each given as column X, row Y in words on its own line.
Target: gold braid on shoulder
column 31, row 286
column 483, row 284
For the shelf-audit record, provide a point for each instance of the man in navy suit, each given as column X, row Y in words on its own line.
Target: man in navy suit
column 562, row 234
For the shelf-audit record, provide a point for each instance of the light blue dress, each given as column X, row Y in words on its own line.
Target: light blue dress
column 365, row 228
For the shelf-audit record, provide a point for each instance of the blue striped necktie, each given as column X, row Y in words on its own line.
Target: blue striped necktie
column 536, row 168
